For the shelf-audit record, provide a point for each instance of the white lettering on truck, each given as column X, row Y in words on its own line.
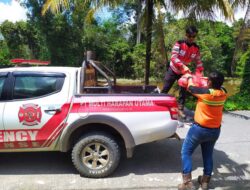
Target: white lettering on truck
column 17, row 136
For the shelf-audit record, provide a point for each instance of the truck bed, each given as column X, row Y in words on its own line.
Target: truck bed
column 134, row 89
column 120, row 89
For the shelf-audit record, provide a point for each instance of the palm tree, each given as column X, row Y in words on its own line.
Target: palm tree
column 243, row 37
column 242, row 33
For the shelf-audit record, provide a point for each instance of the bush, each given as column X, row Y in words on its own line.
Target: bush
column 239, row 101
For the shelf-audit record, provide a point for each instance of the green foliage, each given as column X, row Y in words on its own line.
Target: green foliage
column 61, row 34
column 217, row 46
column 15, row 38
column 245, row 87
column 23, row 41
column 156, row 66
column 4, row 53
column 69, row 35
column 243, row 58
column 138, row 57
column 239, row 101
column 191, row 102
column 111, row 46
column 119, row 50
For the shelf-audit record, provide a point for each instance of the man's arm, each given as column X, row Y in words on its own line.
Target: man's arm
column 196, row 90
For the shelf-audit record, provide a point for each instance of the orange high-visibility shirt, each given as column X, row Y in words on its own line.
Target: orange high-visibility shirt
column 209, row 108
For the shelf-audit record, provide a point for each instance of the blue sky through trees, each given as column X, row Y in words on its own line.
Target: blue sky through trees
column 12, row 11
column 5, row 1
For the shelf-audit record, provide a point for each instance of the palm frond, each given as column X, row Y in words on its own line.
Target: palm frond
column 90, row 16
column 226, row 8
column 55, row 5
column 237, row 3
column 198, row 9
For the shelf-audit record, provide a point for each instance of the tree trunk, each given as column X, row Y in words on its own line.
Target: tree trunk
column 239, row 39
column 149, row 21
column 138, row 24
column 245, row 87
column 162, row 47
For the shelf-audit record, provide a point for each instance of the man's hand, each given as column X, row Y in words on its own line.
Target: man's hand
column 183, row 81
column 190, row 82
column 184, row 70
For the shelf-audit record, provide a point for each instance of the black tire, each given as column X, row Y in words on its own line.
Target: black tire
column 96, row 155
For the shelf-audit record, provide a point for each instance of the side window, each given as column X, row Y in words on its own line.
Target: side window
column 2, row 79
column 34, row 86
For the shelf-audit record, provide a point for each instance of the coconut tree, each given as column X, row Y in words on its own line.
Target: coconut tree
column 244, row 31
column 243, row 41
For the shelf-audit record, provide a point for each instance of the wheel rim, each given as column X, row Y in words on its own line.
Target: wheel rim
column 95, row 156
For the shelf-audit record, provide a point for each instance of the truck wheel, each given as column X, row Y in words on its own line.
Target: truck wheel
column 96, row 155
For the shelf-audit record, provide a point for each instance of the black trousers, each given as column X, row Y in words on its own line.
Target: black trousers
column 169, row 79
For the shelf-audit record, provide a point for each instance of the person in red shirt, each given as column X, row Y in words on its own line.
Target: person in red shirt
column 183, row 52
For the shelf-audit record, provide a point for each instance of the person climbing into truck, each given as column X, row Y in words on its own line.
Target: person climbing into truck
column 183, row 52
column 205, row 130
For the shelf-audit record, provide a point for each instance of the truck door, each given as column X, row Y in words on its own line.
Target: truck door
column 3, row 77
column 37, row 112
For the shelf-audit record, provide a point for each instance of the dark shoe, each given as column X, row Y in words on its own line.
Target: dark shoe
column 204, row 181
column 187, row 182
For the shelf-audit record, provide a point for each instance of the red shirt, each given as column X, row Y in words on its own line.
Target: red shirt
column 183, row 53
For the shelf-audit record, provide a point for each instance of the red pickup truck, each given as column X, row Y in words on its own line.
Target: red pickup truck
column 61, row 109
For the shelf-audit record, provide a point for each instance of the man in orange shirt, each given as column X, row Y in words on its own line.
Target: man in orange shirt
column 205, row 130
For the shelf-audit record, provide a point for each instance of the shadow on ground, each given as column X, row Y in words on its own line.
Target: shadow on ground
column 157, row 157
column 35, row 163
